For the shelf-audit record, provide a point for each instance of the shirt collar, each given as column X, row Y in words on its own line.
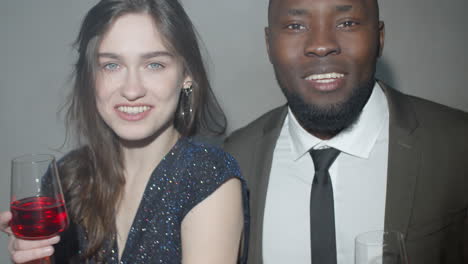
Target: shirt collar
column 358, row 140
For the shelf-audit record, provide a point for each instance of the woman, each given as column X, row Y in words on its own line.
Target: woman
column 140, row 190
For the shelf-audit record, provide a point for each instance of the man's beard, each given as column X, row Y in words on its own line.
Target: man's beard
column 332, row 119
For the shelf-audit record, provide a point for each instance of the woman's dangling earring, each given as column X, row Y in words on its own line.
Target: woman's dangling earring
column 186, row 94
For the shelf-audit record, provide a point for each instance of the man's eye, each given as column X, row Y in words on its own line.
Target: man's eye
column 347, row 24
column 155, row 66
column 111, row 66
column 295, row 27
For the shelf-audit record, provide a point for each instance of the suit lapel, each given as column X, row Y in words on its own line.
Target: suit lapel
column 403, row 161
column 263, row 157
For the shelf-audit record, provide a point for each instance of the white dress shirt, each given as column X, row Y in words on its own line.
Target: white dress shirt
column 358, row 176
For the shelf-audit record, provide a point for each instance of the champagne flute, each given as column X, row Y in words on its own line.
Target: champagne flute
column 380, row 247
column 37, row 202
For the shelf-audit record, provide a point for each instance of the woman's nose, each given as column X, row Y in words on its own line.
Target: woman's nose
column 133, row 88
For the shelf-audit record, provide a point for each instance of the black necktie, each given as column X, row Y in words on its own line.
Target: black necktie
column 322, row 215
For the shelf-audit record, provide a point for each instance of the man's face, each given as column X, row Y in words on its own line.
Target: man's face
column 324, row 54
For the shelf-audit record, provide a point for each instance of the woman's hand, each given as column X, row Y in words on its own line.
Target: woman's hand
column 22, row 251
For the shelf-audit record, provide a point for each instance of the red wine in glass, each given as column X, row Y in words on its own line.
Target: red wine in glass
column 38, row 217
column 37, row 203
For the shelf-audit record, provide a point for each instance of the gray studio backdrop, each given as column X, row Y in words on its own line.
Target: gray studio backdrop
column 424, row 55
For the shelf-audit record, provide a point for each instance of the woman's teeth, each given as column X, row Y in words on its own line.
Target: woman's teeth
column 133, row 110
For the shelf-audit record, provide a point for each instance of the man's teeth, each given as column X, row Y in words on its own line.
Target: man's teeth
column 133, row 110
column 325, row 78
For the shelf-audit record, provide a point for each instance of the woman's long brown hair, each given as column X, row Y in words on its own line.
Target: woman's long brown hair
column 92, row 175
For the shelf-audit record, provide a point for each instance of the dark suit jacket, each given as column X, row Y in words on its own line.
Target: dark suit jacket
column 427, row 185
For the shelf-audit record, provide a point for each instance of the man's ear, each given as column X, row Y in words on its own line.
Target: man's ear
column 267, row 41
column 381, row 37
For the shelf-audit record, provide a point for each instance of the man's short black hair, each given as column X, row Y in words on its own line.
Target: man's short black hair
column 376, row 5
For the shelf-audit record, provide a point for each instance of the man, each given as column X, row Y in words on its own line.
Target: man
column 402, row 162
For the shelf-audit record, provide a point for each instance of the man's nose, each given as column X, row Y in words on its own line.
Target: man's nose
column 321, row 42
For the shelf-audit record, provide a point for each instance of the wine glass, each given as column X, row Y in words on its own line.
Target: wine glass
column 37, row 202
column 380, row 247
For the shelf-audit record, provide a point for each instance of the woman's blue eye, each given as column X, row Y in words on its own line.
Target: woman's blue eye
column 155, row 65
column 111, row 66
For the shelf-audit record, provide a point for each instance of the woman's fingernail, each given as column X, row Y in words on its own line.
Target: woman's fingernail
column 48, row 251
column 54, row 240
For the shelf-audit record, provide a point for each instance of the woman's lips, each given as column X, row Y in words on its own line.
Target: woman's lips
column 133, row 113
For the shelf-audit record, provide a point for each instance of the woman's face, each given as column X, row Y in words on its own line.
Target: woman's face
column 138, row 82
